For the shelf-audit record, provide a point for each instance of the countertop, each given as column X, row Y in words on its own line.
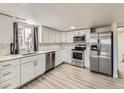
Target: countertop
column 11, row 57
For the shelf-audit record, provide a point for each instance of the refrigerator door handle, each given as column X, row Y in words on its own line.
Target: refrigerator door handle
column 99, row 47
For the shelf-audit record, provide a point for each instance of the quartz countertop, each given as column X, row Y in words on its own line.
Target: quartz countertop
column 11, row 57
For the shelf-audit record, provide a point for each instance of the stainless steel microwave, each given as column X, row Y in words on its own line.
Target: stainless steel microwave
column 79, row 39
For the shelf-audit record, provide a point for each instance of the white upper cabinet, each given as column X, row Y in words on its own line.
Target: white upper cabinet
column 48, row 35
column 45, row 35
column 63, row 37
column 58, row 36
column 51, row 37
column 6, row 29
column 69, row 36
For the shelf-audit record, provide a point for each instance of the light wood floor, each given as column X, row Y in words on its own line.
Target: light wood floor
column 67, row 76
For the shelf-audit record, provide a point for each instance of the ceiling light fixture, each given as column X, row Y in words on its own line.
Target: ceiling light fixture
column 73, row 27
column 29, row 22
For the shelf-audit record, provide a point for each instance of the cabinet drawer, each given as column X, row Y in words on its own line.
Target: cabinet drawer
column 9, row 73
column 40, row 56
column 27, row 59
column 10, row 84
column 9, row 64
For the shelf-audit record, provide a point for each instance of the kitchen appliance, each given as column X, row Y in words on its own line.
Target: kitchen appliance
column 79, row 39
column 78, row 55
column 101, row 59
column 50, row 60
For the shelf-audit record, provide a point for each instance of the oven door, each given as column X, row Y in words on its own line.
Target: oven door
column 78, row 59
column 77, row 55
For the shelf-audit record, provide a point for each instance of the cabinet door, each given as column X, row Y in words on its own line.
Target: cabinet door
column 51, row 36
column 82, row 32
column 63, row 37
column 45, row 35
column 27, row 72
column 70, row 36
column 11, row 83
column 69, row 56
column 58, row 37
column 40, row 66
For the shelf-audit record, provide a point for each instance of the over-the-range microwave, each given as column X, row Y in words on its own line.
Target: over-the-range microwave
column 79, row 39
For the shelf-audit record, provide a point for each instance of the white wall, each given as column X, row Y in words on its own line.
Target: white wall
column 115, row 49
column 120, row 44
column 6, row 29
column 6, row 34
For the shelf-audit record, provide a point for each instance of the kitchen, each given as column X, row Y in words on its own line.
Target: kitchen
column 32, row 54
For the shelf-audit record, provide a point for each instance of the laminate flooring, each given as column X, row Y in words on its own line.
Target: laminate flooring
column 66, row 76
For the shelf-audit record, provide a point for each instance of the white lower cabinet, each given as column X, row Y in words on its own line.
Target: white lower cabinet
column 27, row 72
column 32, row 67
column 40, row 64
column 62, row 56
column 10, row 84
column 10, row 74
column 58, row 58
column 18, row 72
column 68, row 56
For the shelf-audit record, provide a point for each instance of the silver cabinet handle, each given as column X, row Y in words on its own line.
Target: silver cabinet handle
column 7, row 74
column 7, row 86
column 34, row 63
column 7, row 65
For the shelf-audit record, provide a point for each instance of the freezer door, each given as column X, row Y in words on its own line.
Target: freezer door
column 94, row 65
column 105, row 65
column 105, row 43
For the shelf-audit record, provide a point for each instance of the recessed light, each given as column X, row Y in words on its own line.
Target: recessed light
column 72, row 27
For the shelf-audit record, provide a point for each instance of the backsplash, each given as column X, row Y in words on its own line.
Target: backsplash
column 4, row 49
column 43, row 47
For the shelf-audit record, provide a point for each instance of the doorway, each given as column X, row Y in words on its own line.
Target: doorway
column 121, row 52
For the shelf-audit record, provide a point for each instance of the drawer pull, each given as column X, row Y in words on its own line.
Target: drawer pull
column 7, row 74
column 7, row 65
column 7, row 86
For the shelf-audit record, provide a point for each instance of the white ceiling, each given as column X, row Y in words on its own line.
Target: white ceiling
column 62, row 16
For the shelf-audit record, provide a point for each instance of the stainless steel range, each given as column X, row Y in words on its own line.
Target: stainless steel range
column 78, row 56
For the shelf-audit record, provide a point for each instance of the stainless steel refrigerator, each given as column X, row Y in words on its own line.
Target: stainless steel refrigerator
column 101, row 59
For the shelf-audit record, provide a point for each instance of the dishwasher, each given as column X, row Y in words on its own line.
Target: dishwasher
column 50, row 60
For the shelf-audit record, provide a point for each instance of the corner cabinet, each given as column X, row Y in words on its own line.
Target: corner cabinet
column 63, row 37
column 58, row 36
column 63, row 56
column 69, row 36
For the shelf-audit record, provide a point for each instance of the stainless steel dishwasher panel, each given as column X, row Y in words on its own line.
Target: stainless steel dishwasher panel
column 50, row 60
